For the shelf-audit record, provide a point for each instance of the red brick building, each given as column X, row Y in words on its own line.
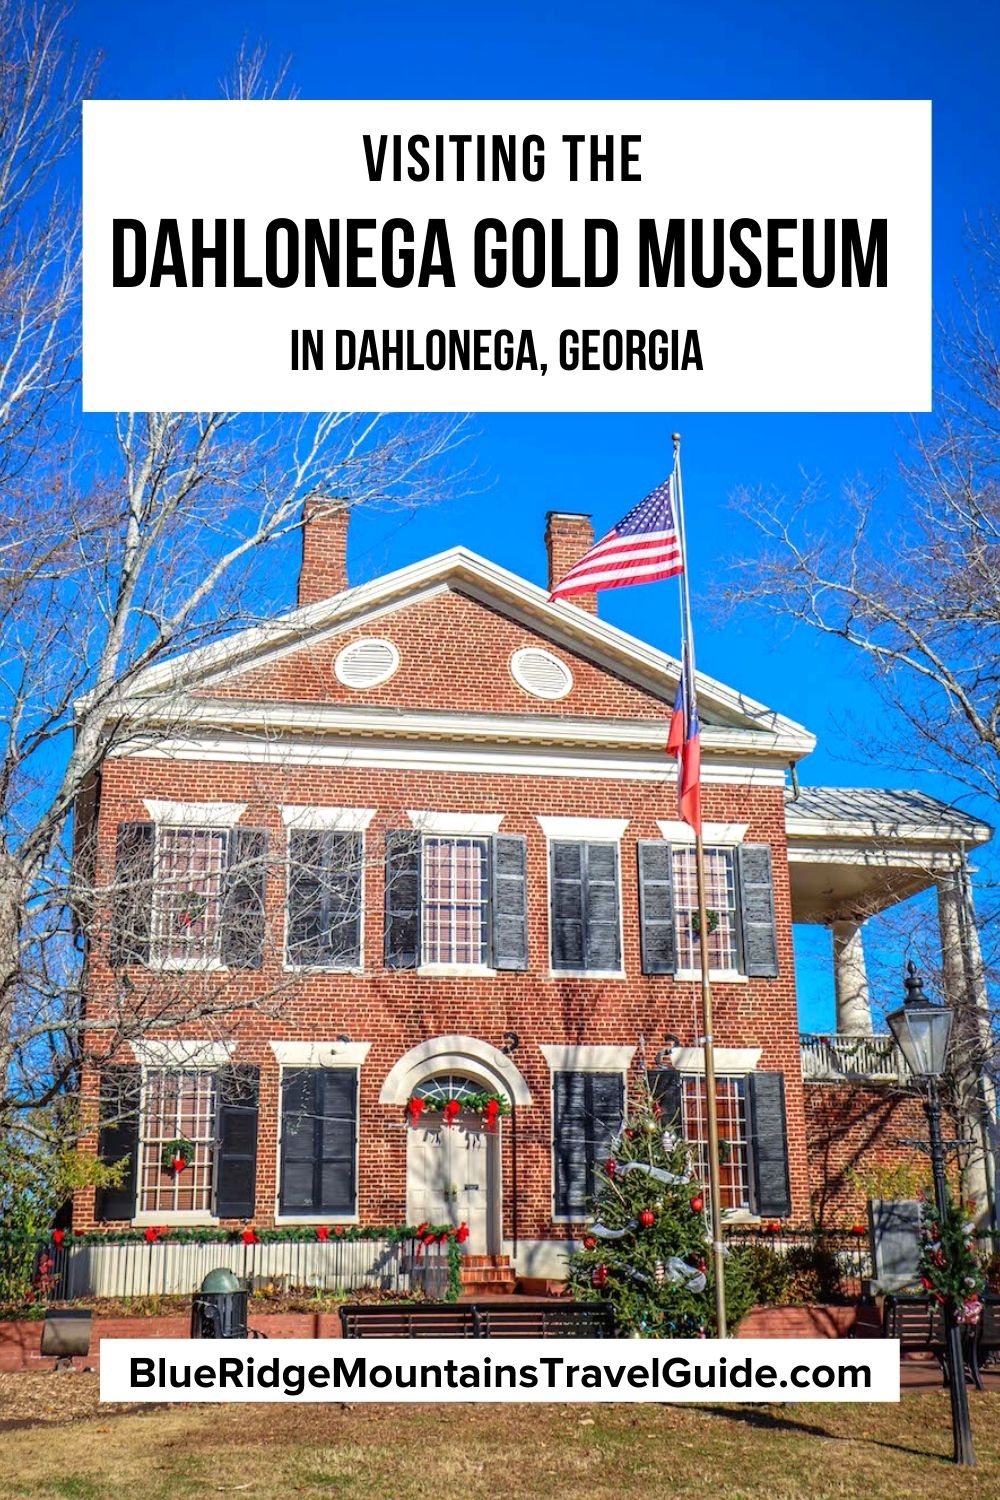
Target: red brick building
column 426, row 831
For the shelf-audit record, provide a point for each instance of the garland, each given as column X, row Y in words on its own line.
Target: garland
column 425, row 1235
column 490, row 1106
column 949, row 1266
column 177, row 1155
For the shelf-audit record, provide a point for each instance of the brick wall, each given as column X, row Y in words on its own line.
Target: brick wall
column 395, row 1010
column 848, row 1128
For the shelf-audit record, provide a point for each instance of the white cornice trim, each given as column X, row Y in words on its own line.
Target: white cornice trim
column 183, row 1053
column 317, row 1054
column 194, row 814
column 588, row 1059
column 345, row 819
column 457, row 824
column 611, row 829
column 727, row 1059
column 719, row 834
column 448, row 758
column 171, row 713
column 586, row 634
column 805, row 830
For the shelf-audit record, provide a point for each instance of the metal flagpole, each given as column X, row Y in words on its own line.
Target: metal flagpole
column 711, row 1104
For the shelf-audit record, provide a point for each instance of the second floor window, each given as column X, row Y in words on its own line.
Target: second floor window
column 585, row 912
column 455, row 874
column 325, row 869
column 720, row 900
column 187, row 902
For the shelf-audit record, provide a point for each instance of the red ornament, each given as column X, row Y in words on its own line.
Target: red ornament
column 600, row 1276
column 415, row 1109
column 858, row 1229
column 250, row 1237
column 322, row 1233
column 701, row 1266
column 697, row 1204
column 462, row 1233
column 610, row 1166
column 647, row 1218
column 589, row 1242
column 58, row 1235
column 452, row 1110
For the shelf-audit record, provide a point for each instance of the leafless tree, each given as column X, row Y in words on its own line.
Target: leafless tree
column 157, row 540
column 907, row 576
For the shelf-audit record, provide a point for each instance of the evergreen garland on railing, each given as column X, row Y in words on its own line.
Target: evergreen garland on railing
column 949, row 1265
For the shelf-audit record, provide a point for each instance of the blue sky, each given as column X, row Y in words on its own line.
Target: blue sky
column 603, row 464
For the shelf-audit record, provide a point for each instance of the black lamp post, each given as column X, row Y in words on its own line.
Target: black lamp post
column 922, row 1030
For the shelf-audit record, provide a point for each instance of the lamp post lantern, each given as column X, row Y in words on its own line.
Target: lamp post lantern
column 922, row 1031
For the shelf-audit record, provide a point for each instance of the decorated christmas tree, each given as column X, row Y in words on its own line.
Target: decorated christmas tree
column 647, row 1248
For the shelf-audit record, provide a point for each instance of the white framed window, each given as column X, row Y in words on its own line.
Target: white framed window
column 178, row 1104
column 721, row 903
column 189, row 876
column 731, row 1108
column 455, row 905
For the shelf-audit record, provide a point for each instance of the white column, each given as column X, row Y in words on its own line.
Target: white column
column 964, row 983
column 854, row 1008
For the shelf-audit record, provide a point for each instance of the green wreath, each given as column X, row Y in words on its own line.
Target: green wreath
column 712, row 917
column 174, row 1151
column 193, row 905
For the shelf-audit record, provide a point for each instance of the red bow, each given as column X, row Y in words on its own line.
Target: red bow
column 490, row 1117
column 58, row 1235
column 452, row 1110
column 322, row 1233
column 462, row 1233
column 416, row 1109
column 250, row 1237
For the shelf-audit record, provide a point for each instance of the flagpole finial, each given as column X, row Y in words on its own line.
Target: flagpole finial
column 675, row 437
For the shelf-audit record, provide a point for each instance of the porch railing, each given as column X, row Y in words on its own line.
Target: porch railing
column 835, row 1057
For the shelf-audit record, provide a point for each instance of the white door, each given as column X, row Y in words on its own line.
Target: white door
column 450, row 1178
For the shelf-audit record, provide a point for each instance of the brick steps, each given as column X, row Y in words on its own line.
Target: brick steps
column 487, row 1275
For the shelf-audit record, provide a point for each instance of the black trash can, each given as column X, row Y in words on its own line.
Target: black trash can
column 219, row 1308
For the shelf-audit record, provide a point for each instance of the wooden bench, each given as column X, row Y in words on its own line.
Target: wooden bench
column 987, row 1337
column 526, row 1319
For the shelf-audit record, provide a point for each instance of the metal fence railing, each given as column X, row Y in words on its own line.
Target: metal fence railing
column 38, row 1270
column 818, row 1264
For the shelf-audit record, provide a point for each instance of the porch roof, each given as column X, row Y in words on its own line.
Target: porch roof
column 854, row 851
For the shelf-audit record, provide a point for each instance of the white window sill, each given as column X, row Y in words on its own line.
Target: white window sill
column 312, row 1221
column 185, row 965
column 740, row 1216
column 292, row 968
column 175, row 1217
column 587, row 974
column 443, row 971
column 716, row 976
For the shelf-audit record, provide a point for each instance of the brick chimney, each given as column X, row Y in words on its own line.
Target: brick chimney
column 324, row 550
column 568, row 535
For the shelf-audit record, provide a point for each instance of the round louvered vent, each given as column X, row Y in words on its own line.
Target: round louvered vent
column 540, row 673
column 366, row 664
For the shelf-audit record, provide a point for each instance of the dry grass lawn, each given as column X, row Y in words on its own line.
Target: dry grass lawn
column 59, row 1444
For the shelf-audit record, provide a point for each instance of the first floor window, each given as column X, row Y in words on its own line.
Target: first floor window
column 587, row 1111
column 455, row 901
column 720, row 900
column 734, row 1170
column 319, row 1135
column 187, row 907
column 178, row 1104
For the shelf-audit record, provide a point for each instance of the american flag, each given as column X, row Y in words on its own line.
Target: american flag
column 640, row 549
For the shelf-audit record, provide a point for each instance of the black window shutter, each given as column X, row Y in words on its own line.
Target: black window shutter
column 768, row 1132
column 569, row 1136
column 402, row 899
column 118, row 1138
column 510, row 901
column 132, row 902
column 601, row 896
column 324, row 898
column 236, row 1162
column 587, row 1114
column 656, row 907
column 319, row 1140
column 666, row 1090
column 243, row 906
column 337, row 1146
column 298, row 1129
column 760, row 938
column 568, row 911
